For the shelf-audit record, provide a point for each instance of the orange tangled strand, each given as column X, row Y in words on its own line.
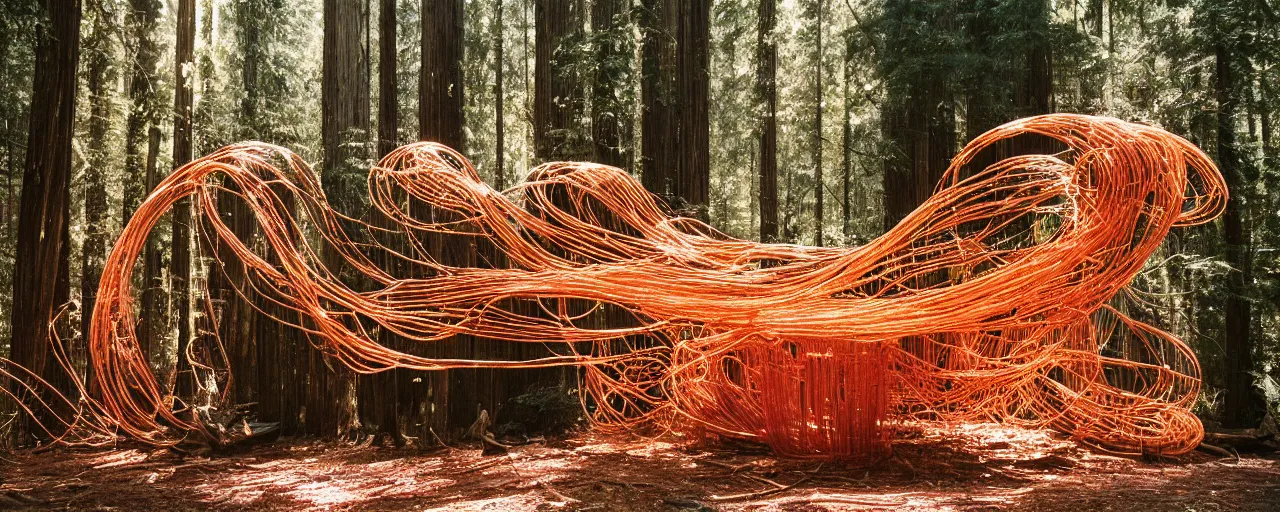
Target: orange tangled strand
column 989, row 302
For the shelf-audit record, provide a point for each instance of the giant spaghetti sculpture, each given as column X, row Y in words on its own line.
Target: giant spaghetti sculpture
column 989, row 302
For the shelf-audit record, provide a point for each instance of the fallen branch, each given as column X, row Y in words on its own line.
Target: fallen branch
column 561, row 497
column 1216, row 450
column 1248, row 441
column 760, row 494
column 492, row 446
column 483, row 465
column 731, row 467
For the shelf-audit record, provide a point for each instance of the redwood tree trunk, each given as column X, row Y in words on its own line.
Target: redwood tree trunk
column 693, row 175
column 766, row 74
column 152, row 323
column 331, row 396
column 93, row 253
column 658, row 95
column 229, row 284
column 440, row 86
column 817, row 135
column 40, row 263
column 388, row 88
column 1241, row 406
column 500, row 152
column 922, row 132
column 142, row 112
column 180, row 271
column 385, row 411
column 557, row 88
column 846, row 143
column 427, row 396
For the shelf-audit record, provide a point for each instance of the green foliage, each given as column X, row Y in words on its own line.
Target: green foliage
column 543, row 410
column 17, row 32
column 927, row 42
column 734, row 119
column 265, row 102
column 408, row 62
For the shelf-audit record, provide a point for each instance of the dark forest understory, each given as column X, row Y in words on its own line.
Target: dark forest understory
column 977, row 467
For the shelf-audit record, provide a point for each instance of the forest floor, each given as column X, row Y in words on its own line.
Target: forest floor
column 976, row 467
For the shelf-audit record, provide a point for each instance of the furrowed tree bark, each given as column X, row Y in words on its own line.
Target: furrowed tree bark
column 471, row 390
column 923, row 133
column 766, row 89
column 817, row 135
column 331, row 397
column 440, row 91
column 283, row 352
column 918, row 115
column 281, row 349
column 691, row 191
column 278, row 356
column 388, row 88
column 426, row 395
column 180, row 261
column 846, row 143
column 231, row 289
column 500, row 152
column 93, row 252
column 142, row 96
column 495, row 386
column 385, row 411
column 42, row 244
column 152, row 325
column 558, row 92
column 659, row 120
column 1242, row 404
column 559, row 135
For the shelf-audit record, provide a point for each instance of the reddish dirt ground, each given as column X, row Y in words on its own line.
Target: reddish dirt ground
column 975, row 467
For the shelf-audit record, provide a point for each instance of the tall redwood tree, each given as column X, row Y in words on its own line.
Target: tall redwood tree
column 692, row 184
column 441, row 96
column 766, row 74
column 180, row 269
column 41, row 285
column 344, row 129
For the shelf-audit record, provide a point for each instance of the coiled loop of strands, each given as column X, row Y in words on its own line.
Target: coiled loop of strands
column 990, row 302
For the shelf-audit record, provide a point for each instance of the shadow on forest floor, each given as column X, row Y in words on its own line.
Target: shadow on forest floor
column 969, row 467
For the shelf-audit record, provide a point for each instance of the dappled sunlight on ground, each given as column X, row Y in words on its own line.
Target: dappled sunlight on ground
column 960, row 467
column 325, row 483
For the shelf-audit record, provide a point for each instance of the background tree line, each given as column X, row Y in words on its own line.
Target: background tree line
column 812, row 121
